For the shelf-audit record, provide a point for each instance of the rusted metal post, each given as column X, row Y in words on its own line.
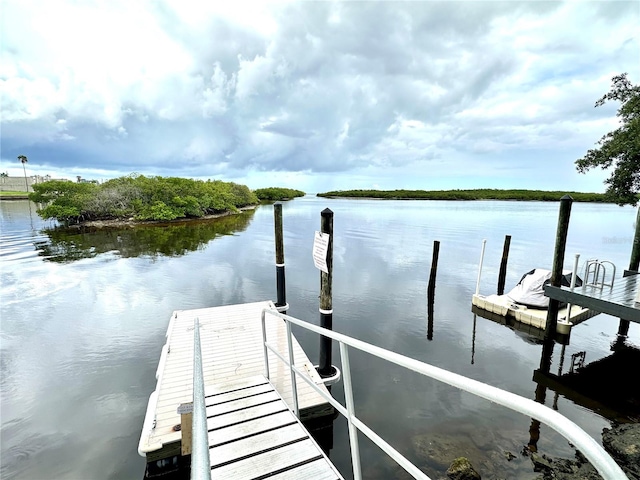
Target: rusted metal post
column 503, row 264
column 326, row 304
column 281, row 302
column 558, row 263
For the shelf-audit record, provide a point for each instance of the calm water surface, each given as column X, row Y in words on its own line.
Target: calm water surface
column 84, row 314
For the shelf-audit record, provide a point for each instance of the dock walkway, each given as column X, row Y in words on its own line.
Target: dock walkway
column 254, row 434
column 232, row 351
column 618, row 300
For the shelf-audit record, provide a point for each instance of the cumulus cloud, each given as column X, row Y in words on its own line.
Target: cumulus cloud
column 335, row 94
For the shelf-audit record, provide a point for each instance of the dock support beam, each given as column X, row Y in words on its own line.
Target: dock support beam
column 556, row 278
column 503, row 264
column 325, row 368
column 281, row 302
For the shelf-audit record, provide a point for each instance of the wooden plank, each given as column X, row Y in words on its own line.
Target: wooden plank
column 247, row 429
column 242, row 403
column 245, row 415
column 316, row 470
column 261, row 466
column 256, row 443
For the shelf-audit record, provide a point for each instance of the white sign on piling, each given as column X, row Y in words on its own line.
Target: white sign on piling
column 320, row 248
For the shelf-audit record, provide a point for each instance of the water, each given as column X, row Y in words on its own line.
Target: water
column 84, row 315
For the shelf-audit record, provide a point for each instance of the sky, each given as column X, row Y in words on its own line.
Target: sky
column 319, row 96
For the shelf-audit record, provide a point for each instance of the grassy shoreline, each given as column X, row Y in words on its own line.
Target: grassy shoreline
column 11, row 195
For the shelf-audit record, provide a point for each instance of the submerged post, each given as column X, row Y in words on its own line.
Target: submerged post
column 558, row 263
column 634, row 267
column 503, row 264
column 326, row 305
column 281, row 302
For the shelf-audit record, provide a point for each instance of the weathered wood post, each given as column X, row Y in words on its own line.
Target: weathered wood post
column 556, row 279
column 503, row 264
column 634, row 267
column 281, row 302
column 326, row 306
column 431, row 288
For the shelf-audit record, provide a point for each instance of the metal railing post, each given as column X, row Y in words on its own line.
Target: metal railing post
column 200, row 463
column 484, row 244
column 294, row 387
column 348, row 398
column 264, row 346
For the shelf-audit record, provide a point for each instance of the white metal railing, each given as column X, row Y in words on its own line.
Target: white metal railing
column 592, row 271
column 200, row 463
column 598, row 457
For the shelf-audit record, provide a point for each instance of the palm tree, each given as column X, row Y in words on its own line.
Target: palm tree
column 24, row 160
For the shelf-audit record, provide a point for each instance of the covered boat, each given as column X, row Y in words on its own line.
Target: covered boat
column 527, row 303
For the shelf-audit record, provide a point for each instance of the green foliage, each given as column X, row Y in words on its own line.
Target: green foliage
column 478, row 194
column 139, row 197
column 274, row 194
column 619, row 149
column 63, row 200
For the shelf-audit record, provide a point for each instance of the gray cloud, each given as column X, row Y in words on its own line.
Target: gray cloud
column 380, row 92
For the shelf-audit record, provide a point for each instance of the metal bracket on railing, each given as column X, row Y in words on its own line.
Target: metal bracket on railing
column 331, row 379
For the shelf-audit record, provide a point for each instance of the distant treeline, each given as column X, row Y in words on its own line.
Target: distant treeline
column 140, row 198
column 478, row 194
column 274, row 194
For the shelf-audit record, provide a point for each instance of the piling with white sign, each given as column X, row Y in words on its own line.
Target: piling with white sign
column 323, row 259
column 281, row 291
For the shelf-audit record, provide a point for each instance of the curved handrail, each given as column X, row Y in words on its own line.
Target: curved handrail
column 599, row 458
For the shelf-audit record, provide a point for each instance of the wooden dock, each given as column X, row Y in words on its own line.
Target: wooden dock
column 231, row 343
column 618, row 300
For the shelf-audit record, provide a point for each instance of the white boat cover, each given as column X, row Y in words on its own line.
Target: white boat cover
column 530, row 289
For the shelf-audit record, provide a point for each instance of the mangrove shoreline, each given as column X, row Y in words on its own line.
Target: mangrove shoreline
column 469, row 195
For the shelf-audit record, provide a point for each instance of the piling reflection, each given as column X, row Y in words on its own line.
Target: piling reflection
column 603, row 386
column 64, row 245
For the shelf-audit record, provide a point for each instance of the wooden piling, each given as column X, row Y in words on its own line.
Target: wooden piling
column 281, row 302
column 431, row 288
column 558, row 263
column 434, row 269
column 503, row 264
column 325, row 368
